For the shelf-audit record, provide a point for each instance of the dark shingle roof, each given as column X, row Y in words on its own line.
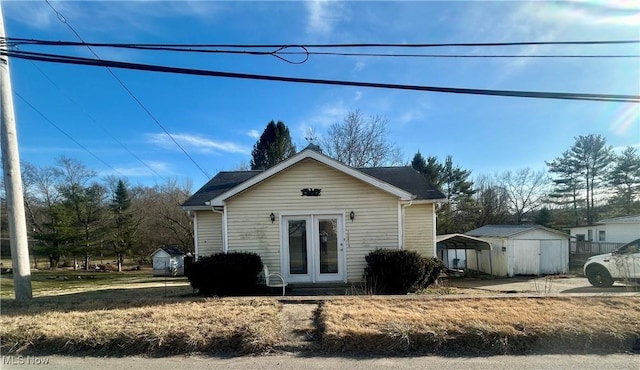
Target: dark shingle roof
column 405, row 178
column 220, row 183
column 172, row 250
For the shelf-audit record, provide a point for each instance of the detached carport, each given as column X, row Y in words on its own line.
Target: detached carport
column 447, row 242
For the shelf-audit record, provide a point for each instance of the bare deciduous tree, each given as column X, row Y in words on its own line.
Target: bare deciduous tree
column 358, row 142
column 492, row 202
column 526, row 190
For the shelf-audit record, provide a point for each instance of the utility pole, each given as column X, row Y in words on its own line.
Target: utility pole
column 13, row 180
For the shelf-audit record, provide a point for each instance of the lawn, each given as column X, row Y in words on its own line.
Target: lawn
column 481, row 325
column 133, row 313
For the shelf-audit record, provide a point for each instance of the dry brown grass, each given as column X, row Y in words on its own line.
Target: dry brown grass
column 143, row 327
column 481, row 325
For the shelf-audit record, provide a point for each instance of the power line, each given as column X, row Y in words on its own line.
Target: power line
column 96, row 122
column 352, row 45
column 63, row 20
column 64, row 132
column 286, row 51
column 188, row 71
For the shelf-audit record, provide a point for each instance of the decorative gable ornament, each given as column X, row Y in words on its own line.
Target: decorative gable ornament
column 309, row 192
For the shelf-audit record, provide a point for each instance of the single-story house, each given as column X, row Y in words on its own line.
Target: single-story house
column 314, row 219
column 612, row 230
column 520, row 250
column 168, row 261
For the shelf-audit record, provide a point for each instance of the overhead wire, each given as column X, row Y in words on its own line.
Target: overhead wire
column 346, row 45
column 124, row 86
column 285, row 50
column 65, row 133
column 199, row 72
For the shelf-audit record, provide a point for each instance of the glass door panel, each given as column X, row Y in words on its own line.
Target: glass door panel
column 298, row 247
column 328, row 242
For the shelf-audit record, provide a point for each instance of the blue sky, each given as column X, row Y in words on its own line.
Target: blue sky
column 218, row 120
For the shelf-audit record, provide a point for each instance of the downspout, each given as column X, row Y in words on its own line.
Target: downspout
column 225, row 247
column 402, row 223
column 195, row 235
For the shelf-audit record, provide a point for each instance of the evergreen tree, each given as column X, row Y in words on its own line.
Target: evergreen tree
column 273, row 147
column 457, row 215
column 122, row 228
column 418, row 163
column 567, row 184
column 593, row 156
column 543, row 217
column 585, row 165
column 625, row 176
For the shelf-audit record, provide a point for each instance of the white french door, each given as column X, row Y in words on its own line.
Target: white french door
column 313, row 248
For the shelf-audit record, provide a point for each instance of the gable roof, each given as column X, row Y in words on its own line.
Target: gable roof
column 506, row 231
column 170, row 250
column 404, row 182
column 633, row 219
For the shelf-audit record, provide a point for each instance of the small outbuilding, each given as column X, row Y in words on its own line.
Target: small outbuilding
column 520, row 250
column 168, row 261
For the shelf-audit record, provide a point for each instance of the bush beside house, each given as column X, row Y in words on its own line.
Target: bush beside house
column 226, row 274
column 400, row 271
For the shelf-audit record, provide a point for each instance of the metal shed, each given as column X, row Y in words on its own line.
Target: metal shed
column 448, row 247
column 520, row 250
column 168, row 261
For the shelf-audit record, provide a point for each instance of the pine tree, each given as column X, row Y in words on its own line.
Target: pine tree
column 273, row 147
column 122, row 222
column 625, row 176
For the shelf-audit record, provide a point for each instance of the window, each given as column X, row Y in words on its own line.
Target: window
column 590, row 235
column 580, row 237
column 601, row 236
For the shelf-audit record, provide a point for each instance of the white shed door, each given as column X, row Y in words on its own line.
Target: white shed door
column 526, row 257
column 552, row 257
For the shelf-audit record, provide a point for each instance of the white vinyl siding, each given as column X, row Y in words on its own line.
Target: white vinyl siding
column 419, row 231
column 375, row 224
column 209, row 237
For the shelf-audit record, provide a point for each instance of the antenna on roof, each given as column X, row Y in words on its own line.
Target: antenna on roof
column 311, row 138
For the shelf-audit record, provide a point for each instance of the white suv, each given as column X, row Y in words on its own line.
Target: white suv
column 622, row 264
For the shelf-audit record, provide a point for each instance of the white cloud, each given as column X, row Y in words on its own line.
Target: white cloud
column 198, row 143
column 253, row 134
column 360, row 65
column 160, row 168
column 322, row 16
column 105, row 16
column 417, row 111
column 357, row 96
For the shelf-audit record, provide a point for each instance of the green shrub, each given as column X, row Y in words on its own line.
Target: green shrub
column 391, row 271
column 225, row 274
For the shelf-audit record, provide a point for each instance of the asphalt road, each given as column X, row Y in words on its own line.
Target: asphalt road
column 615, row 361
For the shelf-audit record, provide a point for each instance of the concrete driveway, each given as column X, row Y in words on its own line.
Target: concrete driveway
column 540, row 285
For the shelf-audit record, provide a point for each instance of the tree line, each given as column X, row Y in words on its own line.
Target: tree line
column 73, row 214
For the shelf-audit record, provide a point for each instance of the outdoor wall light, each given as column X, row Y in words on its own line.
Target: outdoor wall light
column 272, row 217
column 352, row 215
